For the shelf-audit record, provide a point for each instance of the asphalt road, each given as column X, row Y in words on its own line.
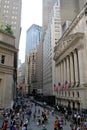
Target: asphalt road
column 49, row 125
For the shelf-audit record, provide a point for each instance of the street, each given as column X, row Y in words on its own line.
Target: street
column 32, row 124
column 49, row 125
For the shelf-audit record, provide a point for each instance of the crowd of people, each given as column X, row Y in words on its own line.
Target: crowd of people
column 78, row 122
column 19, row 117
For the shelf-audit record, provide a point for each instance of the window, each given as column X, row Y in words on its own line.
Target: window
column 73, row 94
column 0, row 82
column 2, row 59
column 33, row 56
column 77, row 94
column 69, row 94
column 65, row 93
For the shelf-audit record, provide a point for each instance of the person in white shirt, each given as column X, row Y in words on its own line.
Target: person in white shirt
column 78, row 128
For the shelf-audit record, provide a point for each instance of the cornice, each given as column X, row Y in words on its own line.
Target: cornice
column 65, row 43
column 73, row 24
column 8, row 47
column 6, row 69
column 4, row 32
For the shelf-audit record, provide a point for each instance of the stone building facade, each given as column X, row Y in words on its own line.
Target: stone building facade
column 39, row 69
column 53, row 33
column 47, row 6
column 21, row 78
column 71, row 64
column 30, row 72
column 7, row 50
column 10, row 13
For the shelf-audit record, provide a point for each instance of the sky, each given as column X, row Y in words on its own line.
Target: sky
column 31, row 14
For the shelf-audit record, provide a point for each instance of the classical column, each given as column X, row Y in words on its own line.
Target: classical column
column 65, row 69
column 81, row 66
column 62, row 72
column 76, row 64
column 59, row 72
column 56, row 73
column 68, row 69
column 72, row 69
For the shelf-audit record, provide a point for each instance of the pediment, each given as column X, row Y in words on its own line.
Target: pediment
column 65, row 43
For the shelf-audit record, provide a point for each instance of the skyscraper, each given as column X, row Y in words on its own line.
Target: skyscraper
column 52, row 35
column 70, row 9
column 10, row 13
column 82, row 3
column 32, row 41
column 47, row 7
column 33, row 37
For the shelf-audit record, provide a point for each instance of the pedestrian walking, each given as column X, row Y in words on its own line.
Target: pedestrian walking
column 34, row 115
column 78, row 127
column 44, row 127
column 24, row 127
column 11, row 126
column 14, row 127
column 4, row 127
column 38, row 111
column 55, row 125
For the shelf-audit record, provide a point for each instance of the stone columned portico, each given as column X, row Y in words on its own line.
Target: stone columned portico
column 70, row 55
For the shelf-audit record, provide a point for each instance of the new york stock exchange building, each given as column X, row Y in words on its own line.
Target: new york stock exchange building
column 70, row 56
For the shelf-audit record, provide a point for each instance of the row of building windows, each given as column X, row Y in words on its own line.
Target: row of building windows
column 7, row 6
column 69, row 94
column 2, row 59
column 7, row 1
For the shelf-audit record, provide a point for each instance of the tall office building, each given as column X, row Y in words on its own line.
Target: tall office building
column 82, row 3
column 52, row 35
column 69, row 10
column 47, row 7
column 30, row 71
column 10, row 13
column 39, row 68
column 32, row 41
column 33, row 37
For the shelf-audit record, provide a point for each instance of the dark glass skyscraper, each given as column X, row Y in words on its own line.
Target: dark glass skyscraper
column 33, row 37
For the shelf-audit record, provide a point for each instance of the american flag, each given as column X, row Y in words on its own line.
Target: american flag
column 55, row 88
column 67, row 85
column 59, row 87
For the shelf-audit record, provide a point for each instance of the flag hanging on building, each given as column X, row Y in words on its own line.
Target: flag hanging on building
column 55, row 88
column 59, row 87
column 66, row 85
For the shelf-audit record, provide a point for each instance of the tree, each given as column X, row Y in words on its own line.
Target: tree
column 1, row 26
column 8, row 29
